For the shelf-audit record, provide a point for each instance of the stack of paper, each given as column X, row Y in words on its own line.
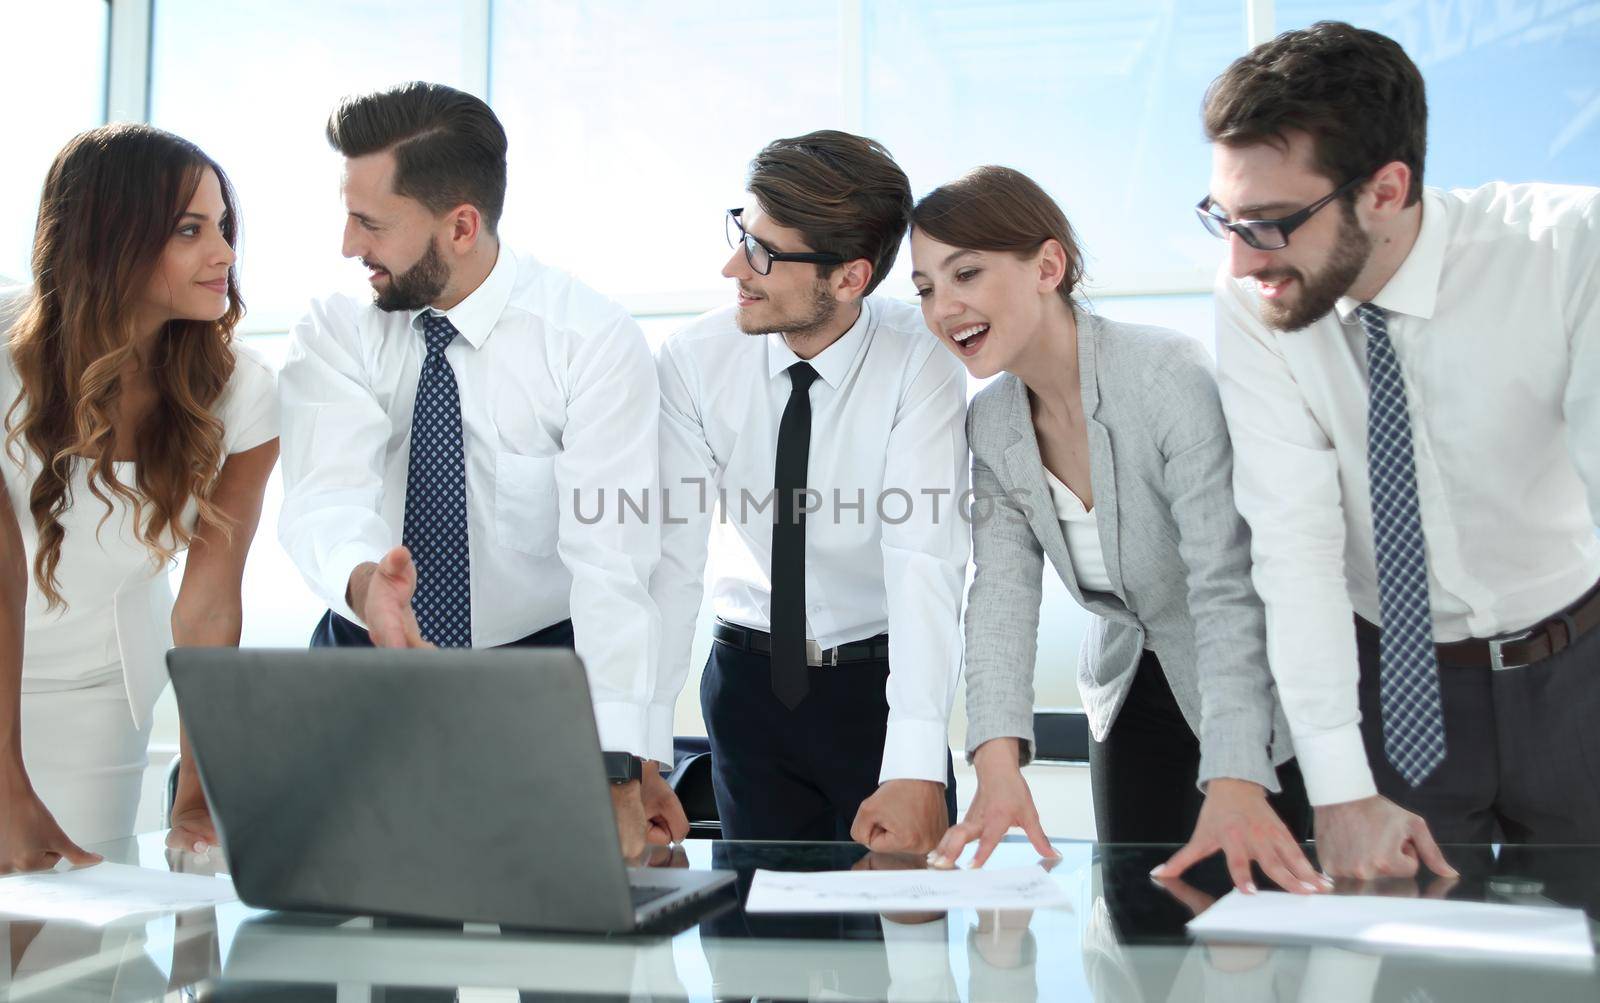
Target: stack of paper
column 1533, row 933
column 105, row 893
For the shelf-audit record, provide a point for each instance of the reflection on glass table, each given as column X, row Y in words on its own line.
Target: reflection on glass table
column 1122, row 939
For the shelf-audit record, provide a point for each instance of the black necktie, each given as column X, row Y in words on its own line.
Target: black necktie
column 789, row 542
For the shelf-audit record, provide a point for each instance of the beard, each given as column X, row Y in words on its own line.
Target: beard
column 418, row 285
column 818, row 311
column 1320, row 291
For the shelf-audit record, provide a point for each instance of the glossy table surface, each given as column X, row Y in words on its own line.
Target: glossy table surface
column 1122, row 938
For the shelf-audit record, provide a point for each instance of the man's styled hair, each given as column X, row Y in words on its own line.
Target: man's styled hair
column 449, row 147
column 844, row 193
column 1000, row 209
column 1354, row 91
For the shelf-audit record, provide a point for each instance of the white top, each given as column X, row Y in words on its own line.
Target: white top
column 885, row 549
column 558, row 405
column 1082, row 531
column 1495, row 320
column 118, row 617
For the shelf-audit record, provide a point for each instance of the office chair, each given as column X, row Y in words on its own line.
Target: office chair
column 1061, row 736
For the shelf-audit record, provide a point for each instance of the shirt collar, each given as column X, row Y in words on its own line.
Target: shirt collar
column 475, row 316
column 1414, row 288
column 833, row 362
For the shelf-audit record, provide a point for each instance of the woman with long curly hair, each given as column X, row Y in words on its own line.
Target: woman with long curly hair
column 135, row 429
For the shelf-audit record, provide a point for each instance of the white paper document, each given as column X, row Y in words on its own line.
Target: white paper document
column 904, row 891
column 105, row 893
column 1534, row 933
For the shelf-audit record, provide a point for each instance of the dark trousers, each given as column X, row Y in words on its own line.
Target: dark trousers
column 334, row 631
column 1144, row 773
column 1522, row 749
column 795, row 774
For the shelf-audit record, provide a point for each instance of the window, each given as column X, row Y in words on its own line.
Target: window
column 64, row 43
column 1098, row 103
column 631, row 132
column 1513, row 93
column 631, row 127
column 253, row 84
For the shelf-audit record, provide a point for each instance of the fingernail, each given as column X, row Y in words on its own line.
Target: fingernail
column 1249, row 887
column 938, row 860
column 1158, row 871
column 199, row 846
column 1308, row 886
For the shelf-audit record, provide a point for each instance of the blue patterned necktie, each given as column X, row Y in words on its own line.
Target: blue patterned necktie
column 1408, row 669
column 436, row 498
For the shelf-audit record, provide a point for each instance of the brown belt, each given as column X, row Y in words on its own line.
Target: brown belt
column 1548, row 637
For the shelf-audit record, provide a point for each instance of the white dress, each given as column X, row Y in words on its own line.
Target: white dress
column 91, row 672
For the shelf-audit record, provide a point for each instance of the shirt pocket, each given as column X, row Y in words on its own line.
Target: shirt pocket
column 526, row 513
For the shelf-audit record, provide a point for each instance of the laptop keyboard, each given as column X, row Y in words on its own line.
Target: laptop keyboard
column 645, row 894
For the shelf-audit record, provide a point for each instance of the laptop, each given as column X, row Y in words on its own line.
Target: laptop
column 454, row 785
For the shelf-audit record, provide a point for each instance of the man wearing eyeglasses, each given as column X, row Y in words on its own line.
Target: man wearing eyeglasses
column 1412, row 381
column 816, row 432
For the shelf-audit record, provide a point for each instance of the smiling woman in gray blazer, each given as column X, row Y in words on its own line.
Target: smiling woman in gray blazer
column 1101, row 447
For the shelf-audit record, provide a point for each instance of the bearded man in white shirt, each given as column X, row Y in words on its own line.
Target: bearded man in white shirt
column 824, row 429
column 446, row 442
column 1411, row 378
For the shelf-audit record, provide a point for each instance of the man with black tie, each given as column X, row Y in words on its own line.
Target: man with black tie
column 439, row 438
column 1411, row 379
column 818, row 431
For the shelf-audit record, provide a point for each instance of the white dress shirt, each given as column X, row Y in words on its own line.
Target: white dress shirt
column 887, row 424
column 1081, row 529
column 559, row 406
column 1495, row 319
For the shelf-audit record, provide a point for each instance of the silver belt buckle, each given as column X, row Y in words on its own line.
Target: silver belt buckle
column 1497, row 660
column 817, row 657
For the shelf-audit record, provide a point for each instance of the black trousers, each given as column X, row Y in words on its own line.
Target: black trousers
column 1522, row 749
column 795, row 774
column 1144, row 773
column 334, row 631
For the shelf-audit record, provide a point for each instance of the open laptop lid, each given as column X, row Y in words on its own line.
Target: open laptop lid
column 447, row 784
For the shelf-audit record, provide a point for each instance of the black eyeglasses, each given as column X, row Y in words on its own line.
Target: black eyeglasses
column 1266, row 234
column 760, row 256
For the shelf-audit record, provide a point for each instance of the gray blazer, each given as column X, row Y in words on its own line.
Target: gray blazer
column 1176, row 551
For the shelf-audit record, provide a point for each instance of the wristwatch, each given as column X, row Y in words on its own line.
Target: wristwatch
column 622, row 767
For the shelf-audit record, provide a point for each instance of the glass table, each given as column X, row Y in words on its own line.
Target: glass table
column 1122, row 939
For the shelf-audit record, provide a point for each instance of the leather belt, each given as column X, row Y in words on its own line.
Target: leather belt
column 1548, row 637
column 873, row 649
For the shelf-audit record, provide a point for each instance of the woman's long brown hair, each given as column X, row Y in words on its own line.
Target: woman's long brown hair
column 112, row 199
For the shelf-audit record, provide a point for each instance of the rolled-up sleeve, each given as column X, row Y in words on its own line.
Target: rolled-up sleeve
column 1286, row 484
column 924, row 568
column 333, row 436
column 609, row 452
